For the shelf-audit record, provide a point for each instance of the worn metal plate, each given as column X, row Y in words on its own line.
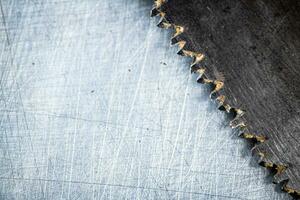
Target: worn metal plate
column 95, row 104
column 251, row 51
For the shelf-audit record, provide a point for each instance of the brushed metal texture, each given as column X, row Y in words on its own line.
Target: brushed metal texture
column 96, row 105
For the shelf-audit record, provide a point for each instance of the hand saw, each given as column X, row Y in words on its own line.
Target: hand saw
column 248, row 50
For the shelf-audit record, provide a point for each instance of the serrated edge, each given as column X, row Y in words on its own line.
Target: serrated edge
column 221, row 99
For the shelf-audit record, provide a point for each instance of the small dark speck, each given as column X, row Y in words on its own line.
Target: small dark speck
column 253, row 47
column 163, row 63
column 92, row 91
column 33, row 63
column 129, row 70
column 147, row 129
column 139, row 141
column 226, row 10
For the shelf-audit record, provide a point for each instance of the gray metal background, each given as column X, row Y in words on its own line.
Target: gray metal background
column 95, row 104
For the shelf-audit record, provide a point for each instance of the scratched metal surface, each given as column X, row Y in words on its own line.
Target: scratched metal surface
column 95, row 104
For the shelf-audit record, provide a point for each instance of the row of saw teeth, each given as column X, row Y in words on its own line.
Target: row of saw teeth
column 218, row 85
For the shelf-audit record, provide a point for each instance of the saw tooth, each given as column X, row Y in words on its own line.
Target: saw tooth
column 195, row 68
column 188, row 53
column 227, row 108
column 218, row 86
column 260, row 155
column 222, row 105
column 198, row 57
column 263, row 161
column 175, row 40
column 237, row 122
column 200, row 79
column 178, row 30
column 162, row 14
column 181, row 45
column 280, row 169
column 280, row 175
column 239, row 112
column 180, row 52
column 260, row 150
column 268, row 165
column 163, row 23
column 154, row 12
column 207, row 81
column 167, row 25
column 200, row 71
column 289, row 189
column 159, row 3
column 221, row 100
column 156, row 7
column 257, row 138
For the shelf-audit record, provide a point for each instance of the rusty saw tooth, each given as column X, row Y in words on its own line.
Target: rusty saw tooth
column 159, row 3
column 199, row 70
column 156, row 7
column 280, row 174
column 262, row 156
column 254, row 137
column 197, row 58
column 178, row 30
column 205, row 80
column 221, row 101
column 176, row 39
column 163, row 23
column 218, row 85
column 181, row 50
column 268, row 165
column 200, row 79
column 239, row 112
column 227, row 108
column 224, row 106
column 287, row 188
column 237, row 122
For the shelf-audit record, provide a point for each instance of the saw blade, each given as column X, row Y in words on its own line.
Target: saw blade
column 249, row 52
